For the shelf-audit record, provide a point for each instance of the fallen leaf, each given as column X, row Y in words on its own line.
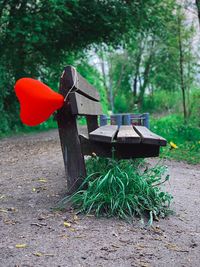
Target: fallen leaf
column 157, row 230
column 158, row 238
column 140, row 246
column 38, row 254
column 39, row 188
column 67, row 224
column 20, row 245
column 63, row 236
column 76, row 218
column 3, row 210
column 181, row 219
column 115, row 246
column 10, row 222
column 72, row 229
column 174, row 247
column 39, row 224
column 12, row 209
column 108, row 249
column 144, row 264
column 42, row 180
column 42, row 217
column 114, row 234
column 104, row 258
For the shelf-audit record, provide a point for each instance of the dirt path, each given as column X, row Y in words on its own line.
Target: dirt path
column 32, row 181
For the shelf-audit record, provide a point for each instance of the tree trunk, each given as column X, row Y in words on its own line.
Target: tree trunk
column 137, row 68
column 108, row 83
column 123, row 67
column 198, row 8
column 181, row 69
column 111, row 87
column 146, row 75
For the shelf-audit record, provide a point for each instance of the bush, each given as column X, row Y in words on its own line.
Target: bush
column 162, row 101
column 124, row 188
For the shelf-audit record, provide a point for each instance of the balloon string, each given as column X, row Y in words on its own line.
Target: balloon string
column 75, row 78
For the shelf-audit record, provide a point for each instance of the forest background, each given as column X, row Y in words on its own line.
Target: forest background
column 142, row 56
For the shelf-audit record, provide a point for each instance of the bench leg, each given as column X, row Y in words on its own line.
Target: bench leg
column 71, row 149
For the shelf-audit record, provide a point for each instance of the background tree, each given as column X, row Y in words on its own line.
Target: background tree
column 37, row 38
column 159, row 57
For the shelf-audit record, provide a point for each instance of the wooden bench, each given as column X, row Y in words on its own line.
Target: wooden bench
column 125, row 141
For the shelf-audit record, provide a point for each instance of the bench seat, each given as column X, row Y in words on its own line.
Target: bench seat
column 126, row 134
column 125, row 142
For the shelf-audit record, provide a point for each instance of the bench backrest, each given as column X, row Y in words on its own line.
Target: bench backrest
column 84, row 99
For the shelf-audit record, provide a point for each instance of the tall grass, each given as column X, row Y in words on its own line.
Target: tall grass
column 124, row 188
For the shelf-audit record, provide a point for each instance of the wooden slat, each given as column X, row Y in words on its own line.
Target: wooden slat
column 127, row 134
column 80, row 84
column 104, row 133
column 81, row 105
column 149, row 137
column 92, row 123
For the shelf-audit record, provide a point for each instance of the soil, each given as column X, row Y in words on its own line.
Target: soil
column 32, row 181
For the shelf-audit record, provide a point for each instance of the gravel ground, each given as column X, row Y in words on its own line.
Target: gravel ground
column 32, row 181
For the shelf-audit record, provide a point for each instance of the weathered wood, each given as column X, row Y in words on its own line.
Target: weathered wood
column 70, row 142
column 92, row 123
column 127, row 134
column 104, row 133
column 80, row 84
column 119, row 150
column 148, row 137
column 81, row 105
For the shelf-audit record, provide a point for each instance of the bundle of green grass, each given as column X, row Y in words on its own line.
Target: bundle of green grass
column 123, row 188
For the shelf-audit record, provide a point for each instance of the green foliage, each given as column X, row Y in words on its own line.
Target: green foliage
column 93, row 76
column 38, row 41
column 162, row 102
column 187, row 151
column 122, row 104
column 124, row 188
column 194, row 106
column 173, row 129
column 185, row 136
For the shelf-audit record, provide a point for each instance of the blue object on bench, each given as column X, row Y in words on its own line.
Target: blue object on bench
column 125, row 119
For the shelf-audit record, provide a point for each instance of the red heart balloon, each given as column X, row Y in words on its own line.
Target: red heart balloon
column 37, row 101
